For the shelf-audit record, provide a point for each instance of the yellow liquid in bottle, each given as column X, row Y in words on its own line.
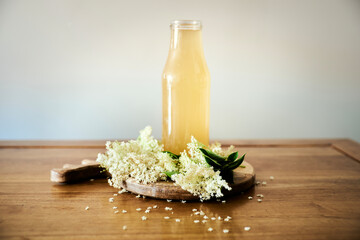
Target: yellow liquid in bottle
column 186, row 92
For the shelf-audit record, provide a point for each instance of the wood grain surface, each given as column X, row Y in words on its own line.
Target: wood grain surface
column 315, row 194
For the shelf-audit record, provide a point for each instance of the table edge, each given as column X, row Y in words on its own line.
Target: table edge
column 346, row 146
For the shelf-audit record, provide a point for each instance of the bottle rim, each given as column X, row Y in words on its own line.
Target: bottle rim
column 186, row 24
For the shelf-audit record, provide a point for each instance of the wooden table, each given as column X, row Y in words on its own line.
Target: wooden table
column 315, row 194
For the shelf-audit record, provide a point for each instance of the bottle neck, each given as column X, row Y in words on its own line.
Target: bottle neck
column 184, row 39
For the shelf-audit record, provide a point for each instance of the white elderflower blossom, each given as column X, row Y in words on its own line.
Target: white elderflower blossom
column 144, row 160
column 141, row 159
column 216, row 148
column 196, row 176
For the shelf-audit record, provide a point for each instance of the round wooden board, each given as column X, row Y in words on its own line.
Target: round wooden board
column 244, row 178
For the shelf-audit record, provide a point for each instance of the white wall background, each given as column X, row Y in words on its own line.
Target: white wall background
column 92, row 69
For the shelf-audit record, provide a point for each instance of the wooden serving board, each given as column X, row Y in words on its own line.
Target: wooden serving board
column 244, row 178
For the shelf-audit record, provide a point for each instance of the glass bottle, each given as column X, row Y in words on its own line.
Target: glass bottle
column 185, row 88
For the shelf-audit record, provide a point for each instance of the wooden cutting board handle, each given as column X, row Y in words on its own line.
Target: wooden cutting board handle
column 71, row 173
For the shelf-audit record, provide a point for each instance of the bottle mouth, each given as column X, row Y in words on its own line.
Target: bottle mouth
column 186, row 24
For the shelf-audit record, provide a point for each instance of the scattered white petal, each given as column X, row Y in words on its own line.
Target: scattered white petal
column 167, row 217
column 149, row 208
column 213, row 218
column 124, row 227
column 226, row 230
column 247, row 228
column 194, row 210
column 138, row 209
column 115, row 194
column 143, row 196
column 122, row 191
column 117, row 211
column 204, row 221
column 124, row 211
column 260, row 195
column 219, row 218
column 147, row 211
column 168, row 209
column 271, row 177
column 155, row 206
column 264, row 183
column 210, row 229
column 177, row 220
column 226, row 219
column 196, row 221
column 250, row 197
column 111, row 199
column 138, row 196
column 197, row 213
column 229, row 217
column 223, row 201
column 91, row 180
column 206, row 217
column 168, row 200
column 87, row 208
column 114, row 207
column 183, row 201
column 143, row 218
column 257, row 183
column 259, row 200
column 202, row 213
column 110, row 182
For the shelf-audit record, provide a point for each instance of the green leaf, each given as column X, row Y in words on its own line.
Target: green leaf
column 169, row 174
column 212, row 155
column 213, row 163
column 235, row 164
column 232, row 157
column 172, row 155
column 225, row 165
